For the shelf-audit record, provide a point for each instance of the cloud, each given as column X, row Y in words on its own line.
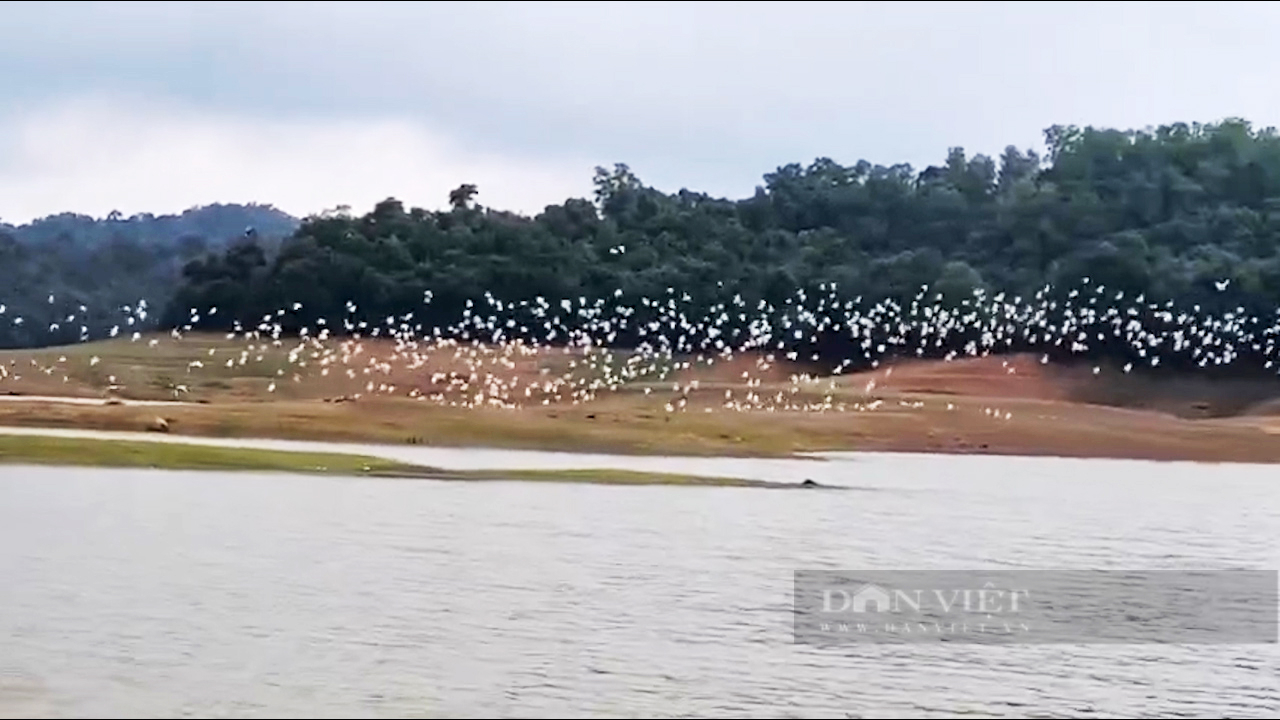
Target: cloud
column 687, row 94
column 93, row 155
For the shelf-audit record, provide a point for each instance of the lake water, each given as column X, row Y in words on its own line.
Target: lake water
column 146, row 593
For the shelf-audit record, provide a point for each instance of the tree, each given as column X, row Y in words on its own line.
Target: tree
column 610, row 184
column 461, row 196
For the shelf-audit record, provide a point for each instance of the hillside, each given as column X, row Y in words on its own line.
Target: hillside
column 1183, row 218
column 1156, row 247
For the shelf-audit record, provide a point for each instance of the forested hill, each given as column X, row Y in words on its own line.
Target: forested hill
column 1189, row 213
column 1168, row 213
column 105, row 264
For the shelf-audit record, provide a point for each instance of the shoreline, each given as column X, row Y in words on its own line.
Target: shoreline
column 504, row 459
column 1074, row 431
column 36, row 449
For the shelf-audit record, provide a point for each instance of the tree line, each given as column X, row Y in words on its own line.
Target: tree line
column 1183, row 212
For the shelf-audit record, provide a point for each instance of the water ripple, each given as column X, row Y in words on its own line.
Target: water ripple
column 136, row 593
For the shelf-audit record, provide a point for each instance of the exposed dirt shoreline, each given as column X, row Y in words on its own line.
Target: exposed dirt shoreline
column 1002, row 406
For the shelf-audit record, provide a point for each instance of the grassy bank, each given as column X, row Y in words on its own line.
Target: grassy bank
column 36, row 450
column 177, row 456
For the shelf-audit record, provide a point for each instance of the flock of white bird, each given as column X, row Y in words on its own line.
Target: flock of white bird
column 483, row 359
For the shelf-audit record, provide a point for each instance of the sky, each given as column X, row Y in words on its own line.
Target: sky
column 157, row 107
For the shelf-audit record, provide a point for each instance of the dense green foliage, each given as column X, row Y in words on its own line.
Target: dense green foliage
column 105, row 264
column 1167, row 214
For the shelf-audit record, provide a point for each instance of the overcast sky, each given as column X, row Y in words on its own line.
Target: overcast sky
column 158, row 106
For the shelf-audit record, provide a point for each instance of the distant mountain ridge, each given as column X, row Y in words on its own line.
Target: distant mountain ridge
column 215, row 221
column 105, row 264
